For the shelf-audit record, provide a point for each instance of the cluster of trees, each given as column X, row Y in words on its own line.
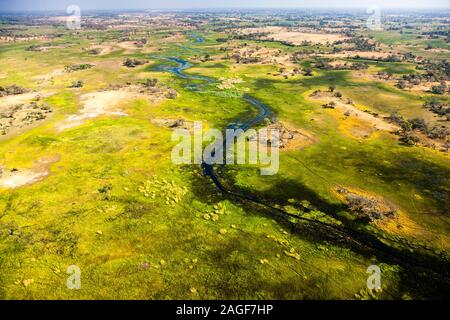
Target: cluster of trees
column 360, row 43
column 440, row 88
column 11, row 90
column 326, row 65
column 389, row 58
column 439, row 70
column 408, row 128
column 152, row 85
column 439, row 108
column 435, row 71
column 244, row 59
column 131, row 63
column 78, row 67
column 95, row 51
column 367, row 208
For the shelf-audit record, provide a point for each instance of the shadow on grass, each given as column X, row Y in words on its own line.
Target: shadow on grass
column 424, row 274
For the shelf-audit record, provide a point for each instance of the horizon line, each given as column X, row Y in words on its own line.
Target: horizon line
column 229, row 8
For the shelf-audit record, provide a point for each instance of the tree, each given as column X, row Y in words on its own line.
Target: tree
column 307, row 72
column 77, row 84
column 401, row 84
column 151, row 82
column 439, row 89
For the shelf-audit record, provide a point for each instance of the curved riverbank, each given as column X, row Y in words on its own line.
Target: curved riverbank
column 360, row 241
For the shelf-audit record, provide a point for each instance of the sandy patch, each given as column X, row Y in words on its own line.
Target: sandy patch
column 228, row 83
column 261, row 55
column 13, row 100
column 22, row 111
column 8, row 39
column 290, row 137
column 21, row 116
column 177, row 37
column 358, row 123
column 99, row 104
column 110, row 102
column 101, row 49
column 129, row 46
column 374, row 55
column 16, row 178
column 399, row 223
column 296, row 37
column 49, row 76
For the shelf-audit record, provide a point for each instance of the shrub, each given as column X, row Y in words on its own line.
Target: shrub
column 77, row 84
column 131, row 63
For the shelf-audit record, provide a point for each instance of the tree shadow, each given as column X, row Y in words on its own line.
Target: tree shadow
column 422, row 271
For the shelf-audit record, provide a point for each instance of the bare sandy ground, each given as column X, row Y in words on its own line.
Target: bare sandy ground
column 99, row 104
column 16, row 178
column 290, row 137
column 263, row 55
column 358, row 123
column 129, row 46
column 103, row 48
column 7, row 101
column 19, row 39
column 109, row 103
column 228, row 83
column 362, row 54
column 295, row 36
column 12, row 100
column 50, row 75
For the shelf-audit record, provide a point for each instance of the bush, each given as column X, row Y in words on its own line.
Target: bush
column 11, row 90
column 307, row 72
column 409, row 138
column 440, row 89
column 131, row 63
column 78, row 67
column 77, row 84
column 151, row 82
column 419, row 124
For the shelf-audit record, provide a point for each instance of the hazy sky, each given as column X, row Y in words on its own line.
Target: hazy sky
column 179, row 4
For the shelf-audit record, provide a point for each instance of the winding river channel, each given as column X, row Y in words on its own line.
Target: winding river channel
column 363, row 240
column 264, row 110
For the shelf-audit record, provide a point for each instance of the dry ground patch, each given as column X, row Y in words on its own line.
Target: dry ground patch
column 353, row 121
column 296, row 37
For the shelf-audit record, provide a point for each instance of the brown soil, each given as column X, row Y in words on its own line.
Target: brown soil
column 357, row 122
column 15, row 178
column 295, row 36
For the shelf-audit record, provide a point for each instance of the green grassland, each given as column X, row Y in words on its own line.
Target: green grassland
column 130, row 244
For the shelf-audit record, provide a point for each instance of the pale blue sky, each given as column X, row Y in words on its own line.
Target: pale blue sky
column 178, row 4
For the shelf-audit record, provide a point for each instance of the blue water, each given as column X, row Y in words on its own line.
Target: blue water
column 199, row 40
column 264, row 110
